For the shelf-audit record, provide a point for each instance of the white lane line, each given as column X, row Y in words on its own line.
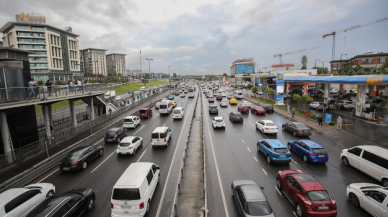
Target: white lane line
column 169, row 170
column 264, row 171
column 48, row 175
column 231, row 125
column 218, row 172
column 252, row 124
column 98, row 141
column 103, row 161
column 141, row 155
column 249, row 149
column 279, row 192
column 294, row 213
column 294, row 161
column 255, row 158
column 238, row 134
column 234, row 129
column 138, row 129
column 243, row 141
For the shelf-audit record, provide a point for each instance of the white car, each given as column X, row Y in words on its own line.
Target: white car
column 229, row 96
column 182, row 95
column 118, row 98
column 314, row 105
column 131, row 121
column 345, row 104
column 372, row 198
column 246, row 103
column 267, row 126
column 129, row 145
column 218, row 122
column 20, row 201
column 224, row 103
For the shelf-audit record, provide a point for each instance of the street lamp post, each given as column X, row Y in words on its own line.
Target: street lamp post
column 149, row 68
column 323, row 65
column 316, row 62
column 341, row 62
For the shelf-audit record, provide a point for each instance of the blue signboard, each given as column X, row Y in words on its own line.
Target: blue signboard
column 279, row 87
column 245, row 68
column 328, row 117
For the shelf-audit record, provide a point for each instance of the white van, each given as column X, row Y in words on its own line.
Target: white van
column 161, row 136
column 191, row 93
column 238, row 94
column 178, row 113
column 132, row 193
column 370, row 159
column 131, row 121
column 165, row 107
column 142, row 88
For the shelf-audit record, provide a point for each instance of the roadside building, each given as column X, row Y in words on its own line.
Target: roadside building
column 56, row 50
column 368, row 61
column 1, row 43
column 93, row 63
column 115, row 63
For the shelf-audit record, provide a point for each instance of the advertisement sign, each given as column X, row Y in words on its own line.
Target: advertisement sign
column 245, row 68
column 260, row 87
column 279, row 87
column 33, row 18
column 144, row 81
column 328, row 117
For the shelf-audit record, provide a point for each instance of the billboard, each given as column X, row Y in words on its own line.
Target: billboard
column 279, row 87
column 245, row 68
column 144, row 81
column 33, row 18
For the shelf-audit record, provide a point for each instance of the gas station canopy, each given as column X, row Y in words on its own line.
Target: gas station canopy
column 359, row 80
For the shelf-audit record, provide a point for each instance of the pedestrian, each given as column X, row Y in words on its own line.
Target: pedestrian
column 110, row 111
column 79, row 83
column 71, row 86
column 293, row 112
column 320, row 120
column 324, row 107
column 288, row 108
column 307, row 114
column 49, row 86
column 339, row 123
column 36, row 88
column 31, row 88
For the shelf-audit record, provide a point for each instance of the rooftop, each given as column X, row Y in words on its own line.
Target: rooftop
column 365, row 55
column 9, row 25
column 116, row 54
column 92, row 49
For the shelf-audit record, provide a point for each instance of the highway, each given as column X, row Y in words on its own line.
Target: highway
column 232, row 154
column 103, row 172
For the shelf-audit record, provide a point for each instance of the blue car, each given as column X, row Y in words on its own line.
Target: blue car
column 171, row 97
column 309, row 150
column 274, row 150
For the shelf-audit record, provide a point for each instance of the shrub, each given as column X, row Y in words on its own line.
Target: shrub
column 58, row 82
column 40, row 83
column 332, row 123
column 255, row 89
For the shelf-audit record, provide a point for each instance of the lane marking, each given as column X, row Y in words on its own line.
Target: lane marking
column 279, row 191
column 169, row 170
column 294, row 213
column 249, row 149
column 294, row 161
column 255, row 158
column 243, row 141
column 264, row 171
column 48, row 175
column 234, row 129
column 141, row 155
column 103, row 161
column 98, row 141
column 238, row 134
column 252, row 124
column 138, row 129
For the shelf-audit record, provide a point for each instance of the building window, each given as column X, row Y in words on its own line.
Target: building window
column 370, row 61
column 382, row 60
column 38, row 28
column 22, row 46
column 362, row 61
column 22, row 27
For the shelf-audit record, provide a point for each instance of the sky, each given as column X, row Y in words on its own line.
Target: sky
column 204, row 37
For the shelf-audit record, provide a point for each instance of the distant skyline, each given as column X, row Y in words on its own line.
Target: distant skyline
column 197, row 35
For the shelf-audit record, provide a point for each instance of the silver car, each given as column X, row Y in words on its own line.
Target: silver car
column 224, row 103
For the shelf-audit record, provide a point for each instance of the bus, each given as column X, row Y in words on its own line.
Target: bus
column 191, row 93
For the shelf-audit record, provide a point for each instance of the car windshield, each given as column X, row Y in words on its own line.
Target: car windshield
column 280, row 150
column 319, row 151
column 300, row 126
column 45, row 207
column 237, row 114
column 163, row 106
column 270, row 124
column 245, row 107
column 213, row 106
column 239, row 94
column 125, row 194
column 318, row 195
column 142, row 111
column 269, row 106
column 73, row 155
column 258, row 208
column 177, row 111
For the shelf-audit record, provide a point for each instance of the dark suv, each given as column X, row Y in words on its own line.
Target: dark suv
column 213, row 109
column 236, row 116
column 115, row 135
column 268, row 108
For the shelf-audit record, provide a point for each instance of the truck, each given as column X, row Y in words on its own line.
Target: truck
column 109, row 94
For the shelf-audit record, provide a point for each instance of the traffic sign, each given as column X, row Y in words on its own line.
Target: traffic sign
column 144, row 81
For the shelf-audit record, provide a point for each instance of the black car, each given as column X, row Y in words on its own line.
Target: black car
column 177, row 93
column 236, row 116
column 80, row 157
column 115, row 135
column 75, row 202
column 297, row 129
column 268, row 108
column 213, row 109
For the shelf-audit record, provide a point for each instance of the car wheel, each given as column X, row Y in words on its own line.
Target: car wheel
column 294, row 133
column 283, row 128
column 134, row 151
column 101, row 152
column 289, row 147
column 258, row 148
column 385, row 182
column 299, row 210
column 90, row 204
column 84, row 165
column 305, row 159
column 345, row 161
column 141, row 144
column 278, row 183
column 268, row 159
column 354, row 200
column 50, row 193
column 262, row 131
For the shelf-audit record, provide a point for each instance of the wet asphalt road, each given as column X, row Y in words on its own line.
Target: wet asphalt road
column 235, row 152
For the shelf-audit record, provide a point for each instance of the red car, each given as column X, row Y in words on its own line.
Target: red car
column 308, row 195
column 145, row 113
column 258, row 110
column 243, row 109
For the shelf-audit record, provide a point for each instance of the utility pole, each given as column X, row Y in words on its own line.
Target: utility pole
column 323, row 65
column 149, row 68
column 341, row 62
column 316, row 63
column 141, row 71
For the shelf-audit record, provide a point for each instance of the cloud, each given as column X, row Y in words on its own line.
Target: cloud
column 326, row 15
column 185, row 48
column 183, row 58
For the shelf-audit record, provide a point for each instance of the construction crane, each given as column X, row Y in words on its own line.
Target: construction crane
column 280, row 55
column 347, row 29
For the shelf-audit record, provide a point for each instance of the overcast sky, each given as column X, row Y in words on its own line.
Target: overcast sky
column 194, row 35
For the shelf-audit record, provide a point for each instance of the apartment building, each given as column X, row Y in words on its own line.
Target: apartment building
column 115, row 63
column 57, row 52
column 368, row 61
column 93, row 63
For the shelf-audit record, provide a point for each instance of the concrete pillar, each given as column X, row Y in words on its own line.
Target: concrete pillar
column 46, row 121
column 73, row 115
column 92, row 108
column 341, row 88
column 374, row 90
column 306, row 89
column 361, row 94
column 6, row 137
column 50, row 113
column 327, row 93
column 288, row 87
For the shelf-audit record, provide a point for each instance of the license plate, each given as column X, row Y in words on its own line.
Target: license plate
column 323, row 207
column 321, row 155
column 65, row 168
column 283, row 155
column 306, row 131
column 125, row 207
column 109, row 140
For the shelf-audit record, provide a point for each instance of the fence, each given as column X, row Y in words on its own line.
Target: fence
column 61, row 123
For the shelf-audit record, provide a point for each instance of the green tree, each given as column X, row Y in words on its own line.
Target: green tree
column 304, row 67
column 58, row 82
column 174, row 75
column 225, row 75
column 335, row 73
column 307, row 99
column 146, row 76
column 255, row 89
column 304, row 61
column 114, row 74
column 270, row 92
column 297, row 98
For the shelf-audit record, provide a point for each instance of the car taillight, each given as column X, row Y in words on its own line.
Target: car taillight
column 266, row 128
column 116, row 136
column 60, row 163
column 74, row 163
column 242, row 117
column 129, row 147
column 118, row 147
column 289, row 154
column 132, row 122
column 311, row 154
column 327, row 153
column 164, row 138
column 142, row 205
column 104, row 136
column 234, row 117
column 111, row 205
column 273, row 154
column 210, row 109
column 215, row 122
column 299, row 131
column 277, row 128
column 223, row 122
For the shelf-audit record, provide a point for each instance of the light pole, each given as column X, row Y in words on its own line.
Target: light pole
column 149, row 68
column 341, row 61
column 323, row 65
column 316, row 62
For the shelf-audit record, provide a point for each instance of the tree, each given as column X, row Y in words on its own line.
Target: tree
column 296, row 97
column 235, row 86
column 225, row 75
column 174, row 75
column 304, row 61
column 255, row 89
column 269, row 91
column 335, row 73
column 304, row 67
column 114, row 74
column 146, row 76
column 307, row 99
column 249, row 86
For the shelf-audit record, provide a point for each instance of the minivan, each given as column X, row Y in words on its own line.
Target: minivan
column 132, row 193
column 161, row 136
column 238, row 95
column 370, row 159
column 178, row 113
column 145, row 113
column 165, row 107
column 131, row 122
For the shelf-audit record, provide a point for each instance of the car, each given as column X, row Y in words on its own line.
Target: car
column 305, row 193
column 208, row 94
column 267, row 126
column 246, row 103
column 115, row 134
column 274, row 151
column 177, row 93
column 157, row 105
column 178, row 113
column 210, row 98
column 268, row 108
column 80, row 157
column 145, row 112
column 224, row 103
column 180, row 91
column 118, row 98
column 213, row 109
column 371, row 197
column 171, row 97
column 182, row 95
column 129, row 145
column 173, row 104
column 297, row 129
column 236, row 116
column 131, row 122
column 243, row 109
column 75, row 202
column 233, row 101
column 161, row 136
column 229, row 96
column 258, row 110
column 186, row 91
column 19, row 201
column 315, row 105
column 309, row 150
column 344, row 104
column 219, row 97
column 250, row 199
column 218, row 122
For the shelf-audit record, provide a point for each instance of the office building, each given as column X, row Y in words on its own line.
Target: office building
column 115, row 64
column 56, row 50
column 242, row 67
column 368, row 61
column 93, row 63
